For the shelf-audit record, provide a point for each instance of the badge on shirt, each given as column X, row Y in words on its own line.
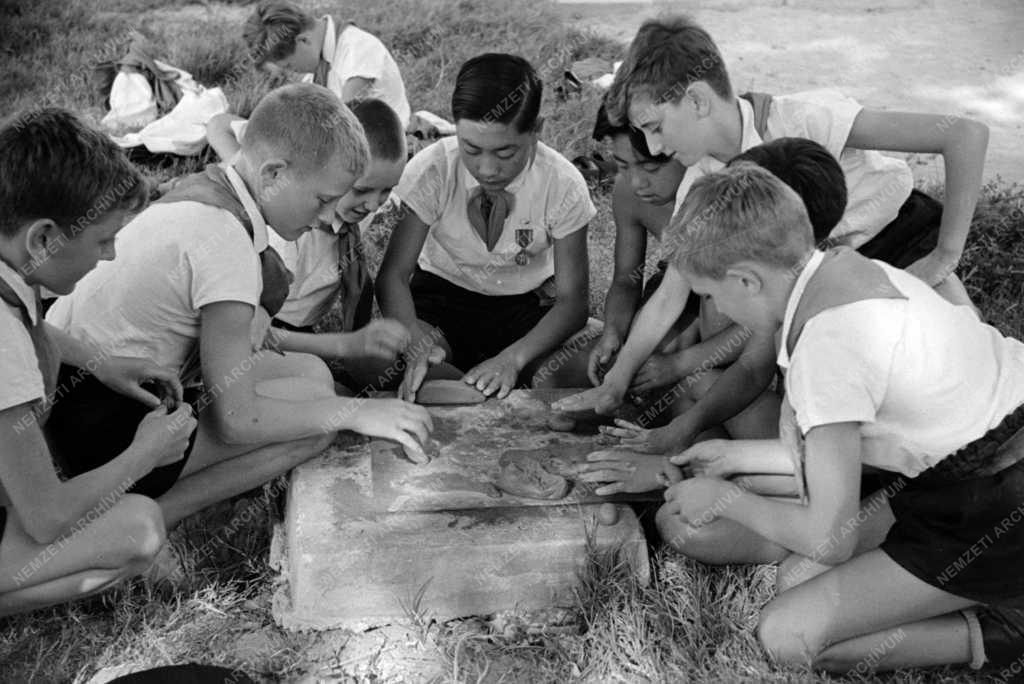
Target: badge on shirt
column 524, row 237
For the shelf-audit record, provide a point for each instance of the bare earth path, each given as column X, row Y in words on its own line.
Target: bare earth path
column 942, row 56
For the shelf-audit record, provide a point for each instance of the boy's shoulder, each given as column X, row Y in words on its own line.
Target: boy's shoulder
column 20, row 379
column 554, row 164
column 358, row 37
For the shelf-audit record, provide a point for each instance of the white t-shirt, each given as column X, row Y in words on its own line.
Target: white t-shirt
column 551, row 200
column 922, row 376
column 20, row 379
column 876, row 185
column 313, row 261
column 172, row 260
column 357, row 53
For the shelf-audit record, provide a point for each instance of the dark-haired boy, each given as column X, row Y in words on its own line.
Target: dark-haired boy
column 195, row 292
column 67, row 190
column 350, row 62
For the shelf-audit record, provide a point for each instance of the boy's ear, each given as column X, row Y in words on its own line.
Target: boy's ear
column 271, row 173
column 746, row 277
column 42, row 237
column 702, row 96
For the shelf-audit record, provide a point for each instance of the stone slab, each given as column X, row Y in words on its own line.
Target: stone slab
column 376, row 570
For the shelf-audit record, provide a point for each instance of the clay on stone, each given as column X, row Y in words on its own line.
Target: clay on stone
column 448, row 393
column 559, row 422
column 524, row 475
column 608, row 514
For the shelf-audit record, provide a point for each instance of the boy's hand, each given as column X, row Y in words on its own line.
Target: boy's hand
column 709, row 458
column 384, row 338
column 659, row 370
column 408, row 424
column 497, row 374
column 602, row 355
column 163, row 436
column 603, row 399
column 127, row 375
column 934, row 267
column 626, row 471
column 700, row 500
column 672, row 438
column 416, row 369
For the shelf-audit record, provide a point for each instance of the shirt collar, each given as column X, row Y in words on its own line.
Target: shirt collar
column 25, row 292
column 795, row 295
column 749, row 136
column 330, row 41
column 259, row 225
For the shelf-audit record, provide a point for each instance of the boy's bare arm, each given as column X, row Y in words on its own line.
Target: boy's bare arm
column 356, row 88
column 824, row 530
column 48, row 507
column 220, row 136
column 243, row 416
column 630, row 249
column 380, row 339
column 962, row 144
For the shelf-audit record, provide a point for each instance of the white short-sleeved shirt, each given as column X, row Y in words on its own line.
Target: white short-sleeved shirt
column 313, row 261
column 20, row 379
column 357, row 53
column 923, row 377
column 551, row 200
column 876, row 185
column 172, row 260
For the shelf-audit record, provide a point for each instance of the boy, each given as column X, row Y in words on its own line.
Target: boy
column 674, row 86
column 329, row 261
column 66, row 191
column 880, row 370
column 350, row 62
column 197, row 272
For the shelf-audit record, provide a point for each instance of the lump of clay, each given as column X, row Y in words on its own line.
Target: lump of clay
column 524, row 475
column 559, row 422
column 431, row 450
column 608, row 514
column 448, row 392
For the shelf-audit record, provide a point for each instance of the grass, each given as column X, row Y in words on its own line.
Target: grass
column 690, row 623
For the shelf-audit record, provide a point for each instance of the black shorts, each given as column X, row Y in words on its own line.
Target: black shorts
column 913, row 234
column 960, row 533
column 1002, row 633
column 91, row 424
column 476, row 326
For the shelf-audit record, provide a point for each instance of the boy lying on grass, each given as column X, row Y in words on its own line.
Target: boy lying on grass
column 196, row 286
column 880, row 371
column 67, row 190
column 674, row 86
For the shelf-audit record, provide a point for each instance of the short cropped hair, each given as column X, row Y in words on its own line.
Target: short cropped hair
column 741, row 213
column 271, row 30
column 604, row 128
column 667, row 55
column 384, row 131
column 54, row 166
column 812, row 171
column 307, row 125
column 498, row 88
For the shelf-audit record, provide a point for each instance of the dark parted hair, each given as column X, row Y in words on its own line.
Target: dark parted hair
column 271, row 30
column 604, row 128
column 54, row 166
column 498, row 88
column 667, row 55
column 384, row 131
column 812, row 171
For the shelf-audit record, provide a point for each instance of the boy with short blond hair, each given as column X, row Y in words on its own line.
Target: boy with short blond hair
column 198, row 285
column 882, row 371
column 67, row 190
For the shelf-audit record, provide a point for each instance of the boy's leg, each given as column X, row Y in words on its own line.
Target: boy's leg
column 721, row 542
column 845, row 616
column 120, row 543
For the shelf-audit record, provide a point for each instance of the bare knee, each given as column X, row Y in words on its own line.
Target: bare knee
column 139, row 531
column 314, row 368
column 795, row 570
column 782, row 632
column 699, row 543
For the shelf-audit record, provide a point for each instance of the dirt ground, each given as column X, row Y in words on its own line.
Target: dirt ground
column 964, row 57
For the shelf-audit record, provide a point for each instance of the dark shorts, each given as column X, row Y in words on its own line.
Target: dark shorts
column 91, row 424
column 913, row 234
column 1002, row 632
column 277, row 323
column 476, row 326
column 960, row 533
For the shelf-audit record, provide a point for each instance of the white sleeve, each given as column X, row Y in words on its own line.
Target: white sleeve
column 20, row 379
column 840, row 368
column 424, row 186
column 824, row 116
column 572, row 207
column 224, row 265
column 363, row 55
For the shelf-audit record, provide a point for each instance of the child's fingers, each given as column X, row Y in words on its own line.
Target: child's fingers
column 507, row 382
column 621, row 433
column 605, row 455
column 609, row 489
column 627, row 424
column 605, row 475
